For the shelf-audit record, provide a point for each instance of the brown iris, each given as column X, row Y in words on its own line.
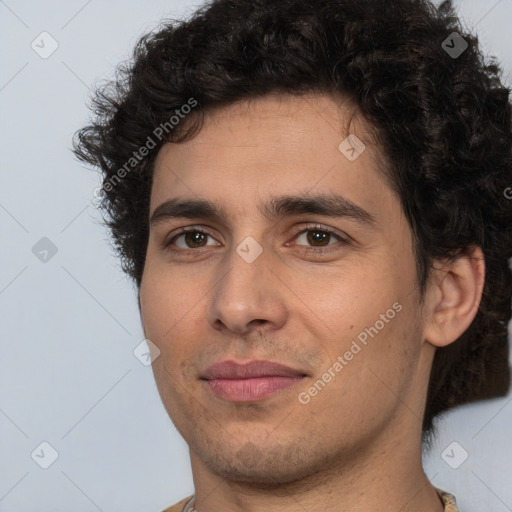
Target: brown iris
column 318, row 237
column 194, row 238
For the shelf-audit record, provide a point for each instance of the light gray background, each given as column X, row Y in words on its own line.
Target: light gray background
column 68, row 375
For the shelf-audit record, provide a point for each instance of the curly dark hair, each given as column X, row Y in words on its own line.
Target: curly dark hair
column 442, row 123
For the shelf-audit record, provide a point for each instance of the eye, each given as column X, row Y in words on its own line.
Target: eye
column 190, row 239
column 318, row 237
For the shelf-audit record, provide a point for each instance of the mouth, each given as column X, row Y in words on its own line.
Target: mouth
column 249, row 382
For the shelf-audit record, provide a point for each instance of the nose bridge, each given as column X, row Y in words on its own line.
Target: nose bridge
column 248, row 290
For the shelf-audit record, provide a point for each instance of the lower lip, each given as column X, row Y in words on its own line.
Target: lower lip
column 247, row 390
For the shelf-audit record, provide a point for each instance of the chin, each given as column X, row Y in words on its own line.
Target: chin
column 264, row 467
column 258, row 477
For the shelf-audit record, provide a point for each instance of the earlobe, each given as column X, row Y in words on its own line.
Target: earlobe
column 453, row 297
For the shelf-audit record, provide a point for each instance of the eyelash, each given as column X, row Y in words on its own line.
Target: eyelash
column 311, row 249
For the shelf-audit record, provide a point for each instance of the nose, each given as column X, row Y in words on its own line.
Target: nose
column 249, row 295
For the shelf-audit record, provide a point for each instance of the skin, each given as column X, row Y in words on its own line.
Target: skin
column 357, row 444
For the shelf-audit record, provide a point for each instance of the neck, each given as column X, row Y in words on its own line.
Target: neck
column 386, row 476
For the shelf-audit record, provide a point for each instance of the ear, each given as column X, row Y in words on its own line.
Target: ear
column 452, row 298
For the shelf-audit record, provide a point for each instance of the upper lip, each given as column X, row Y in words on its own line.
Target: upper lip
column 256, row 368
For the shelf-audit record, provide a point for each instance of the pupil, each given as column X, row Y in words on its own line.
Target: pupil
column 194, row 238
column 318, row 236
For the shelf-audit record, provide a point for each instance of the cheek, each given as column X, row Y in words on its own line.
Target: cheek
column 348, row 299
column 369, row 312
column 162, row 303
column 173, row 312
column 166, row 312
column 154, row 305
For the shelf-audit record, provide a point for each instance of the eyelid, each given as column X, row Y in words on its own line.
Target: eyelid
column 343, row 238
column 319, row 227
column 181, row 231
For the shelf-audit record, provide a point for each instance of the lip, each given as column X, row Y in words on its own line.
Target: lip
column 256, row 368
column 251, row 381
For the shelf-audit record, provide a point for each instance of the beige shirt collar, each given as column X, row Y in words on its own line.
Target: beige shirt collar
column 450, row 504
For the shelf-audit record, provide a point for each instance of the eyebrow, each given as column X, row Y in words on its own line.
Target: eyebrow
column 276, row 207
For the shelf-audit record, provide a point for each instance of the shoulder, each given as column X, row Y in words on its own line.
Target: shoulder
column 179, row 506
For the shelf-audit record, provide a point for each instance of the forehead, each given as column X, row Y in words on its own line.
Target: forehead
column 273, row 144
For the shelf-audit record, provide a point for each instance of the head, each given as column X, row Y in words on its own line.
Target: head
column 238, row 123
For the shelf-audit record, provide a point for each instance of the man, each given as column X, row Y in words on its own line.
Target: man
column 310, row 199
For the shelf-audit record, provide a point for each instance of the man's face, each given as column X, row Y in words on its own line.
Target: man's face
column 310, row 288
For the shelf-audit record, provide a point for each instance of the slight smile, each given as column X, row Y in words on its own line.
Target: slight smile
column 249, row 382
